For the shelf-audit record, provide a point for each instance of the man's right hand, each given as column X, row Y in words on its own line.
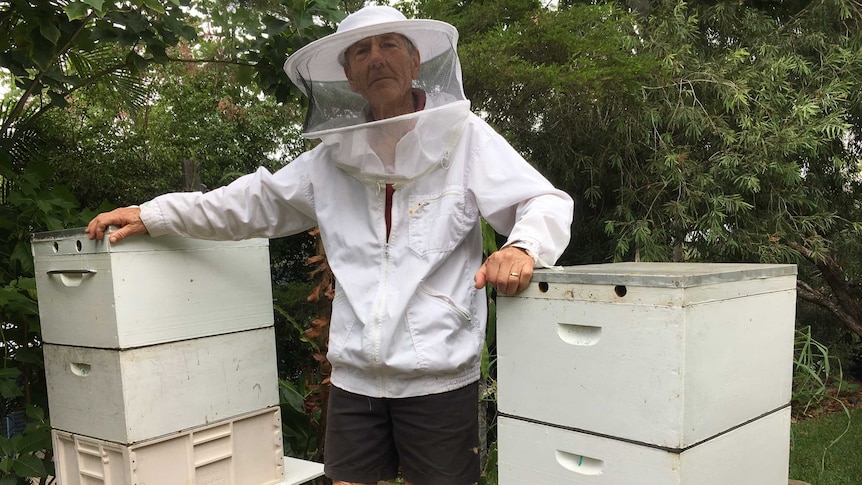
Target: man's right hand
column 127, row 218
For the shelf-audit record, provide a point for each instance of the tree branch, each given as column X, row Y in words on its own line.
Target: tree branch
column 805, row 292
column 234, row 62
column 19, row 106
column 843, row 303
column 87, row 82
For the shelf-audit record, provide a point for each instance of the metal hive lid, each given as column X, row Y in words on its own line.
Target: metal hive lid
column 662, row 275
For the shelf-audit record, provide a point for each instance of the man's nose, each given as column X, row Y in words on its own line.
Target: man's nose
column 375, row 56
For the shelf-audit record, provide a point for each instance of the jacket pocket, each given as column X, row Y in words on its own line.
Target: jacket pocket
column 341, row 325
column 436, row 222
column 445, row 335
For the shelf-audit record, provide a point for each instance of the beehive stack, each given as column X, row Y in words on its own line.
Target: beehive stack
column 647, row 374
column 160, row 360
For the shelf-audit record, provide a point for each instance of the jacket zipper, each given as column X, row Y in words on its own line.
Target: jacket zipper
column 381, row 306
column 381, row 302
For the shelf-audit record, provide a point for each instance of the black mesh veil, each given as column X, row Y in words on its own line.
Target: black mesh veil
column 316, row 70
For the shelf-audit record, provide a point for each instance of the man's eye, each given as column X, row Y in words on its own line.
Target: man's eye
column 360, row 47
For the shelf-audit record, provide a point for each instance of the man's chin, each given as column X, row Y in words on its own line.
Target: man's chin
column 384, row 83
column 385, row 94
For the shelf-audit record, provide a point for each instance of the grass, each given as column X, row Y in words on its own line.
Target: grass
column 826, row 450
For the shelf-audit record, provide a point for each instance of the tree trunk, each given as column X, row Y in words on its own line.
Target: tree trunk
column 843, row 302
column 191, row 176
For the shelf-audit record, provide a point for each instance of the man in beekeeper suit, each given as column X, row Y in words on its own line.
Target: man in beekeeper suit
column 397, row 186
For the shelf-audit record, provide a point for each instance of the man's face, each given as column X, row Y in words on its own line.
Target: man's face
column 382, row 68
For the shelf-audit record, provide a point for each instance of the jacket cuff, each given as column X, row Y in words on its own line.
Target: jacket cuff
column 154, row 221
column 531, row 247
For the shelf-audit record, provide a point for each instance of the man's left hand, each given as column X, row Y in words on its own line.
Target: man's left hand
column 509, row 270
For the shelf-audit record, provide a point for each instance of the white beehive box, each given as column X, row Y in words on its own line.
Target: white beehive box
column 127, row 396
column 246, row 450
column 147, row 290
column 756, row 453
column 659, row 353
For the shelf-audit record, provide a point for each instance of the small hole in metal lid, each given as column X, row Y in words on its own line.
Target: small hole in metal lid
column 543, row 286
column 620, row 290
column 56, row 247
column 78, row 245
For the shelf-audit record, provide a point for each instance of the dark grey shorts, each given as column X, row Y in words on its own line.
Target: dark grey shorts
column 432, row 439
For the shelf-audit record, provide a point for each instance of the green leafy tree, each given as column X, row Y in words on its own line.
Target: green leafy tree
column 112, row 71
column 260, row 34
column 560, row 85
column 197, row 121
column 50, row 50
column 699, row 131
column 759, row 142
column 54, row 48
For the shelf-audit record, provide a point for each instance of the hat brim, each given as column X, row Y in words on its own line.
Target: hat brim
column 319, row 60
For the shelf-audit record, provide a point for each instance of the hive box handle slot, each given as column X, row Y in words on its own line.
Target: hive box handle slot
column 80, row 369
column 71, row 277
column 582, row 335
column 579, row 463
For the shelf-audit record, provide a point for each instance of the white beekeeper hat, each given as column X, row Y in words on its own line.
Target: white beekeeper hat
column 322, row 59
column 317, row 69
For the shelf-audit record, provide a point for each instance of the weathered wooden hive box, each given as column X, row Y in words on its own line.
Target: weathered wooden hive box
column 132, row 395
column 147, row 290
column 160, row 360
column 645, row 372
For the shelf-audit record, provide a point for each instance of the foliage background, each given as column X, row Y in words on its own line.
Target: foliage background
column 686, row 131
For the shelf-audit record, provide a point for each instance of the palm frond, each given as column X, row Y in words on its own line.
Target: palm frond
column 108, row 65
column 20, row 143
